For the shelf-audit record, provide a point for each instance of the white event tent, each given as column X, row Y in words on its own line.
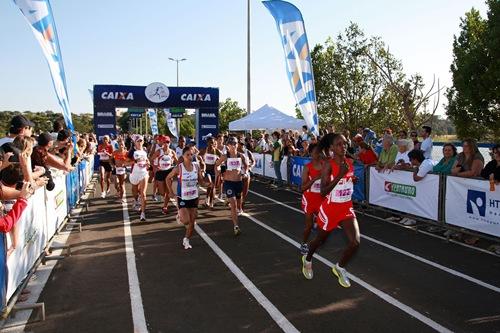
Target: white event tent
column 266, row 118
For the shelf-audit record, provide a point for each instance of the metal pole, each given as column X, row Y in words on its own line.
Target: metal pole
column 178, row 120
column 249, row 110
column 147, row 118
column 177, row 61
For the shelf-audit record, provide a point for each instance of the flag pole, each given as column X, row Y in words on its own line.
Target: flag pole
column 249, row 106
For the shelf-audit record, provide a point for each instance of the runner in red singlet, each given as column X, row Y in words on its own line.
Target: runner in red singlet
column 337, row 181
column 311, row 196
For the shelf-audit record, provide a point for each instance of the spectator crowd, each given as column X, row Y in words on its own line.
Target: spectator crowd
column 28, row 161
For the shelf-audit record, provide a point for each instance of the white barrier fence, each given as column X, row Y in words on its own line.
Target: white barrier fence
column 264, row 166
column 397, row 190
column 469, row 203
column 39, row 222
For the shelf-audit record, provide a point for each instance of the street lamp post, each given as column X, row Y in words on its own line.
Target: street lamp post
column 178, row 120
column 177, row 61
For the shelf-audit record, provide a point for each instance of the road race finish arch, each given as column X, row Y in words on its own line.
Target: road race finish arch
column 156, row 95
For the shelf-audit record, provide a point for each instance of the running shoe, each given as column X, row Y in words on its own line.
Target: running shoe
column 138, row 207
column 103, row 195
column 409, row 222
column 185, row 243
column 341, row 273
column 240, row 212
column 164, row 210
column 237, row 230
column 304, row 248
column 307, row 269
column 143, row 217
column 123, row 200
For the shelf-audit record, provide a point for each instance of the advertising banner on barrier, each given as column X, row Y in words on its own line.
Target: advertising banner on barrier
column 258, row 168
column 470, row 204
column 56, row 203
column 397, row 190
column 269, row 168
column 297, row 166
column 29, row 238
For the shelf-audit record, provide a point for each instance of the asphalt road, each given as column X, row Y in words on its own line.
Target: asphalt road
column 402, row 280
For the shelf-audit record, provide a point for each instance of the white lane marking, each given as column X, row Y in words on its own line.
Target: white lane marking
column 389, row 299
column 403, row 252
column 133, row 280
column 277, row 316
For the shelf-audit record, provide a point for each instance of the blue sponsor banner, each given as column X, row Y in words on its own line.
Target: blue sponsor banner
column 359, row 188
column 207, row 125
column 135, row 96
column 3, row 270
column 104, row 121
column 297, row 166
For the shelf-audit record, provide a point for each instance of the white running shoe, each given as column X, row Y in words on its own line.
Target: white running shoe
column 103, row 195
column 185, row 243
column 341, row 273
column 143, row 217
column 240, row 212
column 409, row 222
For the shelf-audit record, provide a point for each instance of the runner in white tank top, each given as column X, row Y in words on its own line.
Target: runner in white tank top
column 189, row 178
column 139, row 176
column 165, row 159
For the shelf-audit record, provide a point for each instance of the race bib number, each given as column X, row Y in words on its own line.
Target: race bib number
column 316, row 186
column 103, row 155
column 120, row 171
column 210, row 159
column 342, row 192
column 189, row 189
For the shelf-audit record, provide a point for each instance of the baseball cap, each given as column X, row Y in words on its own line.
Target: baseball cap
column 44, row 139
column 163, row 138
column 21, row 121
column 138, row 137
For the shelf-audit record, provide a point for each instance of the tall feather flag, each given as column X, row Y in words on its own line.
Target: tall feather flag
column 153, row 119
column 172, row 126
column 38, row 13
column 298, row 59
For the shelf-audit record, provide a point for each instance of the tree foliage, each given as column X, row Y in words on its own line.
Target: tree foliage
column 83, row 123
column 360, row 83
column 473, row 100
column 229, row 111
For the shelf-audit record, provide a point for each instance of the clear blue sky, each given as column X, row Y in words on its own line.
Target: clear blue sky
column 129, row 42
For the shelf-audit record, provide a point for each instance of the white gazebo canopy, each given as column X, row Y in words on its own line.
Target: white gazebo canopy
column 266, row 118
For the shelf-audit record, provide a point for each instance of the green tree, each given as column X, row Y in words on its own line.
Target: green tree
column 229, row 111
column 350, row 90
column 187, row 126
column 473, row 100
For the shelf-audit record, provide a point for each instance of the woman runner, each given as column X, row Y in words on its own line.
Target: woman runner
column 337, row 180
column 247, row 154
column 120, row 161
column 188, row 178
column 221, row 146
column 210, row 157
column 166, row 160
column 139, row 175
column 233, row 184
column 105, row 151
column 311, row 196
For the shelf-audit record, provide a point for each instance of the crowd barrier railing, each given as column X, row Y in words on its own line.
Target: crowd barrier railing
column 445, row 200
column 23, row 247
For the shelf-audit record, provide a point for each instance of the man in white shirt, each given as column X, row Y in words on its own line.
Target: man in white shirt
column 304, row 136
column 424, row 165
column 426, row 145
